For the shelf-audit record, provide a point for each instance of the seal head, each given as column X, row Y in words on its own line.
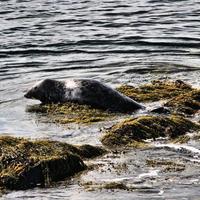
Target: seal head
column 47, row 91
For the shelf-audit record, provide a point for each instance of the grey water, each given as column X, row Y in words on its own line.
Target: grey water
column 116, row 42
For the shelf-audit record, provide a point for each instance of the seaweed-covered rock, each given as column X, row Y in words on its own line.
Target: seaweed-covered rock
column 92, row 186
column 183, row 98
column 156, row 90
column 26, row 164
column 147, row 127
column 71, row 113
column 187, row 103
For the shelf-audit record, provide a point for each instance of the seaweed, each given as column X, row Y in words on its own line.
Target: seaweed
column 138, row 129
column 91, row 186
column 187, row 103
column 25, row 164
column 155, row 91
column 71, row 113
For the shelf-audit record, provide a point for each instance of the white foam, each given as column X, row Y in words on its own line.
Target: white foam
column 151, row 173
column 120, row 179
column 180, row 147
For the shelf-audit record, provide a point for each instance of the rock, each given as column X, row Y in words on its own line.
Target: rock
column 187, row 103
column 146, row 127
column 71, row 113
column 156, row 90
column 26, row 164
column 161, row 110
column 166, row 165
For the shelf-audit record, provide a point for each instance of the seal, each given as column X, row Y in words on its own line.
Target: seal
column 82, row 91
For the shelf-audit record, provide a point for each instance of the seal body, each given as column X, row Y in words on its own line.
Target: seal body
column 82, row 91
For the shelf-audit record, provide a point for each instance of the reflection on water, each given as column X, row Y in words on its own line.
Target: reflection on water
column 112, row 41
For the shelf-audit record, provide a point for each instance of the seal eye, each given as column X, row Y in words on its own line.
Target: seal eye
column 35, row 88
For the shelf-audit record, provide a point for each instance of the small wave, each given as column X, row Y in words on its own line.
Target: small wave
column 81, row 42
column 23, row 65
column 166, row 68
column 164, row 1
column 4, row 12
column 3, row 71
column 9, row 77
column 9, row 101
column 126, row 14
column 78, row 51
column 38, row 51
column 74, row 21
column 161, row 44
column 151, row 173
column 182, row 149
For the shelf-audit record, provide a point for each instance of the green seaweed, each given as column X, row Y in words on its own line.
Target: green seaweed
column 187, row 103
column 155, row 91
column 26, row 164
column 71, row 113
column 141, row 128
column 181, row 139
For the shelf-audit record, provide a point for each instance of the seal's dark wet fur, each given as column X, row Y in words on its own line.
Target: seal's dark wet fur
column 47, row 91
column 82, row 91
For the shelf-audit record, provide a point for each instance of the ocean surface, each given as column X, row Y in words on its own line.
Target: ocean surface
column 116, row 42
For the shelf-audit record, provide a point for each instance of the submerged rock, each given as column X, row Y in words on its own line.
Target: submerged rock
column 155, row 91
column 166, row 165
column 71, row 113
column 141, row 128
column 92, row 186
column 25, row 164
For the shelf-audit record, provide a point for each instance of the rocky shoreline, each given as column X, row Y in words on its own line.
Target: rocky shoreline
column 26, row 164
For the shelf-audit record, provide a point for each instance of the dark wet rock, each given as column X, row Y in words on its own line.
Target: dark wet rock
column 138, row 129
column 89, row 151
column 161, row 110
column 166, row 165
column 156, row 90
column 25, row 164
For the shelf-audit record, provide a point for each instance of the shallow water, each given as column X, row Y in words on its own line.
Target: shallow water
column 111, row 41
